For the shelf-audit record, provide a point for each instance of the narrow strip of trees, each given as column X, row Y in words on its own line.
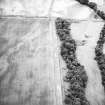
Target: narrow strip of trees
column 76, row 75
column 100, row 56
column 94, row 7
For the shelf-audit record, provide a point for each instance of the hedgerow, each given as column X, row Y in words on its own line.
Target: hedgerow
column 100, row 56
column 76, row 75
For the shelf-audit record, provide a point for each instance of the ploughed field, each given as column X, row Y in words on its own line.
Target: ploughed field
column 29, row 74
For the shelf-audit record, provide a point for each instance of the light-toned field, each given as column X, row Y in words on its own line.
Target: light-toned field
column 86, row 33
column 29, row 73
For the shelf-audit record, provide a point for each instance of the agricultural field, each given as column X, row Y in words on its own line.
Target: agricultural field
column 52, row 52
